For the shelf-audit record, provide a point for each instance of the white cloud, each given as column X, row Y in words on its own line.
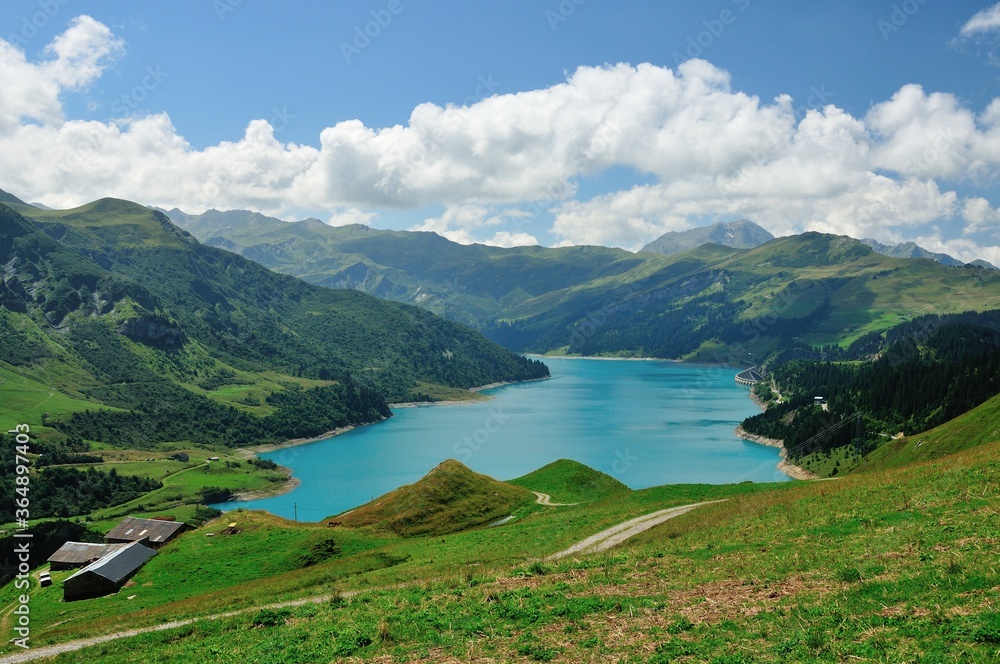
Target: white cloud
column 30, row 91
column 988, row 20
column 509, row 239
column 349, row 216
column 927, row 135
column 704, row 149
column 81, row 53
column 980, row 216
column 961, row 248
column 457, row 223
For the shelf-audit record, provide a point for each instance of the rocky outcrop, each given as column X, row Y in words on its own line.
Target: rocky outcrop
column 153, row 331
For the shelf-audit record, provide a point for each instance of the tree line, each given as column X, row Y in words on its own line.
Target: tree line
column 916, row 376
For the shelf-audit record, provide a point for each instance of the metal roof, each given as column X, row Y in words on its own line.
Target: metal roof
column 134, row 529
column 118, row 565
column 78, row 553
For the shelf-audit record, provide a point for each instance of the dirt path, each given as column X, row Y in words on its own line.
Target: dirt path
column 615, row 535
column 546, row 499
column 79, row 644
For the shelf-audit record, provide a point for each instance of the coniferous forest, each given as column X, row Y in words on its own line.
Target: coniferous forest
column 917, row 375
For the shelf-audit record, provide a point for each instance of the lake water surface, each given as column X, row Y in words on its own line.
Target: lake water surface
column 645, row 422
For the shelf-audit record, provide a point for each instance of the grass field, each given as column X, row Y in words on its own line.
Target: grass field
column 893, row 566
column 229, row 574
column 25, row 401
column 183, row 481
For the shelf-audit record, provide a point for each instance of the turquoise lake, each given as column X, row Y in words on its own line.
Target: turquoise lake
column 645, row 422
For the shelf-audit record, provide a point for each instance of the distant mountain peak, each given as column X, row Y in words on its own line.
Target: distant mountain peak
column 741, row 234
column 986, row 265
column 913, row 250
column 6, row 197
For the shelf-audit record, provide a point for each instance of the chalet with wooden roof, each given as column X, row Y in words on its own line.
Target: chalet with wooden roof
column 151, row 532
column 78, row 554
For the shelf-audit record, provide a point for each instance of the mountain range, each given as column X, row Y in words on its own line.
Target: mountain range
column 742, row 234
column 707, row 302
column 144, row 334
column 913, row 250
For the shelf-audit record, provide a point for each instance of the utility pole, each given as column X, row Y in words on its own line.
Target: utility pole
column 295, row 506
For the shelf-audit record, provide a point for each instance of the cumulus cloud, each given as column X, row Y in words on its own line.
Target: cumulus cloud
column 74, row 59
column 703, row 150
column 961, row 248
column 980, row 216
column 349, row 216
column 988, row 20
column 457, row 223
column 509, row 239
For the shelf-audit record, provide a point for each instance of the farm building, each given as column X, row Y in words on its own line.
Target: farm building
column 108, row 574
column 78, row 554
column 151, row 532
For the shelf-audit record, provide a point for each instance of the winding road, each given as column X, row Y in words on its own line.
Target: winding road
column 546, row 499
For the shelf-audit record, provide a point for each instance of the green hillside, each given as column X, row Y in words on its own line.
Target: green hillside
column 716, row 304
column 711, row 303
column 913, row 377
column 979, row 426
column 569, row 481
column 470, row 284
column 111, row 305
column 892, row 565
column 449, row 498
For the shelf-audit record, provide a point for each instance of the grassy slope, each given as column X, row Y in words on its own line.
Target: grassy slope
column 976, row 427
column 26, row 400
column 449, row 498
column 888, row 566
column 569, row 481
column 552, row 291
column 468, row 283
column 786, row 278
column 221, row 300
column 228, row 577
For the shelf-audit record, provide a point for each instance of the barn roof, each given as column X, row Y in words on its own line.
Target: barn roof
column 134, row 529
column 118, row 565
column 78, row 553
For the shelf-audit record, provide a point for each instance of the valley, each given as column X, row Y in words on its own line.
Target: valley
column 499, row 332
column 700, row 302
column 147, row 363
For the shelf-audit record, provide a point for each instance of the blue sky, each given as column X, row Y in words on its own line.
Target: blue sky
column 513, row 122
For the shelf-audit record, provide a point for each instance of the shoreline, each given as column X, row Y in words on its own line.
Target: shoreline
column 278, row 489
column 598, row 357
column 490, row 386
column 760, row 402
column 293, row 482
column 785, row 466
column 461, row 402
column 252, row 452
